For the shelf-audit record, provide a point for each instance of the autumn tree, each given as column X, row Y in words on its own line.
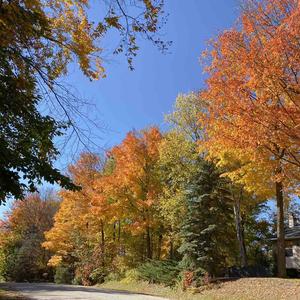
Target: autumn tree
column 22, row 232
column 77, row 237
column 38, row 40
column 175, row 168
column 134, row 187
column 114, row 218
column 253, row 93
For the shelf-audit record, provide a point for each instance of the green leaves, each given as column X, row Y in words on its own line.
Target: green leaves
column 161, row 272
column 26, row 137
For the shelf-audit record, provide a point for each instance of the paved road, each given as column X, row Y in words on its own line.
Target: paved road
column 49, row 291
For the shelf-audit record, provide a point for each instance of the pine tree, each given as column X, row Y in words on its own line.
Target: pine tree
column 208, row 232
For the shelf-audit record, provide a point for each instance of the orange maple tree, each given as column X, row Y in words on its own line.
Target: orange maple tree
column 254, row 92
column 75, row 212
column 133, row 186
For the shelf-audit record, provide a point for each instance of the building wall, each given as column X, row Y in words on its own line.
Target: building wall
column 293, row 262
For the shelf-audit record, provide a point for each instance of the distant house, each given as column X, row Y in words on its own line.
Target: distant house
column 292, row 243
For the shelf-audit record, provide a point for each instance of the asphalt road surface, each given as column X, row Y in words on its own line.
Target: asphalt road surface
column 49, row 291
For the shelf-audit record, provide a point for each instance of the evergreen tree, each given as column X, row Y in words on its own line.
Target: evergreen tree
column 208, row 231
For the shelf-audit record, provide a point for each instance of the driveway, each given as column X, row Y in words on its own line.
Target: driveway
column 49, row 291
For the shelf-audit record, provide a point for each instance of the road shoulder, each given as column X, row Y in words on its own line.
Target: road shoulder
column 11, row 295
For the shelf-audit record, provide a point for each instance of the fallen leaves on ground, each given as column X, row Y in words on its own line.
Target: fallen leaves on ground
column 256, row 288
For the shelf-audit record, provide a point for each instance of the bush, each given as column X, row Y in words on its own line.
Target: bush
column 77, row 280
column 161, row 272
column 98, row 275
column 63, row 275
column 113, row 276
column 131, row 276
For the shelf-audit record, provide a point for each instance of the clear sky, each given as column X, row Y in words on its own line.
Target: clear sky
column 127, row 100
column 136, row 99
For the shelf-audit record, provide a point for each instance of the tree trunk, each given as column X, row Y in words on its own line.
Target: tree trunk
column 281, row 264
column 171, row 253
column 240, row 230
column 160, row 239
column 119, row 231
column 102, row 244
column 148, row 243
column 114, row 232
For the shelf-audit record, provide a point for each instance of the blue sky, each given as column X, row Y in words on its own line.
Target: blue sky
column 136, row 99
column 127, row 100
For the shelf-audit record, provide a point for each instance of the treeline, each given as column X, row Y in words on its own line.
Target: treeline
column 155, row 207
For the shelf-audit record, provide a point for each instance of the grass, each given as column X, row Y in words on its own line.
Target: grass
column 241, row 289
column 9, row 295
column 155, row 290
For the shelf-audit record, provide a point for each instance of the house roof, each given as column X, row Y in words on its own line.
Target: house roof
column 291, row 233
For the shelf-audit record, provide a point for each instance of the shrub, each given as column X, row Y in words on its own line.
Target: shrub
column 63, row 275
column 132, row 275
column 98, row 275
column 77, row 280
column 113, row 276
column 161, row 272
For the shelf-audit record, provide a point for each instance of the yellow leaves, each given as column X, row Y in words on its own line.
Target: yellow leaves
column 60, row 33
column 175, row 169
column 78, row 216
column 55, row 261
column 186, row 114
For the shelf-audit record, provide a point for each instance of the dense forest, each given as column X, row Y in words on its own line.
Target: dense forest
column 179, row 206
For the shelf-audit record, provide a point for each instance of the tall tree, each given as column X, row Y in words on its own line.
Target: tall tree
column 253, row 92
column 26, row 137
column 175, row 169
column 187, row 119
column 135, row 186
column 208, row 230
column 72, row 220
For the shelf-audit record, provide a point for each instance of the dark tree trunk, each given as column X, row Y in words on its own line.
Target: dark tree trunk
column 119, row 231
column 114, row 232
column 148, row 243
column 103, row 244
column 240, row 230
column 160, row 239
column 171, row 254
column 281, row 263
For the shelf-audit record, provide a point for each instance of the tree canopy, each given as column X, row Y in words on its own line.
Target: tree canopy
column 38, row 40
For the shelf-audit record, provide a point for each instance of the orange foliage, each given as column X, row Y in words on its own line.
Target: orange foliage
column 75, row 217
column 133, row 182
column 116, row 199
column 253, row 86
